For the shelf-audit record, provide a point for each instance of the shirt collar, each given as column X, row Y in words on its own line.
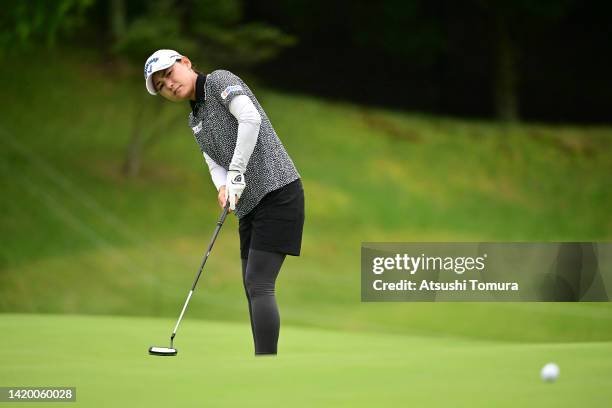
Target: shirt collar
column 199, row 92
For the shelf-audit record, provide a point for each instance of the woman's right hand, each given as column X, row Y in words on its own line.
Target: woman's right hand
column 221, row 198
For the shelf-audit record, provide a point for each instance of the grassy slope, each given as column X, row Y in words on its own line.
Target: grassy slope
column 105, row 358
column 79, row 238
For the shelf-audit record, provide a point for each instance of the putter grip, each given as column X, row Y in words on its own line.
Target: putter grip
column 223, row 214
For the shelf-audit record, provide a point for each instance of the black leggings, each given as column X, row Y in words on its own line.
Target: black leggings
column 259, row 272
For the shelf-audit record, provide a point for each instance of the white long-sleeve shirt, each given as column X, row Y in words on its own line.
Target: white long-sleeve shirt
column 269, row 165
column 249, row 121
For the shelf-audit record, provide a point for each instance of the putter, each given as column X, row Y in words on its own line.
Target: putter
column 171, row 351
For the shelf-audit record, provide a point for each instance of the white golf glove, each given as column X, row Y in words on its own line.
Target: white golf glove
column 234, row 186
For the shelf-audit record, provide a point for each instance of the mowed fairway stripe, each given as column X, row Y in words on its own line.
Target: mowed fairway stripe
column 106, row 358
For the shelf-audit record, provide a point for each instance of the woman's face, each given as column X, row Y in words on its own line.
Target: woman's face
column 176, row 83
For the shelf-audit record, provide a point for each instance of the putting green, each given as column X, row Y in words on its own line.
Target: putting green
column 106, row 358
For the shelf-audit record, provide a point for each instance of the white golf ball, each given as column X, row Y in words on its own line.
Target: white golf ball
column 550, row 372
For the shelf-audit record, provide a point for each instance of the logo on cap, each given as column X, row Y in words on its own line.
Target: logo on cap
column 149, row 67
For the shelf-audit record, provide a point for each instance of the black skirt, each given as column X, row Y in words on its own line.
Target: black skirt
column 276, row 222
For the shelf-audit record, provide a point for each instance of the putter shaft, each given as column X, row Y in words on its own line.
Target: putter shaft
column 195, row 282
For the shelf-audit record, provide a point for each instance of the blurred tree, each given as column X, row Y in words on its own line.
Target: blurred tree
column 118, row 20
column 513, row 23
column 24, row 24
column 406, row 29
column 224, row 40
column 159, row 26
column 507, row 58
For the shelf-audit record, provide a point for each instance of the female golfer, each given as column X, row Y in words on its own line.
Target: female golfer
column 249, row 167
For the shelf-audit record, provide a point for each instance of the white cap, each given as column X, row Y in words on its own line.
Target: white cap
column 160, row 59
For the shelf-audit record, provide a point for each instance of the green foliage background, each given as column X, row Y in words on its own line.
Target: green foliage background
column 79, row 237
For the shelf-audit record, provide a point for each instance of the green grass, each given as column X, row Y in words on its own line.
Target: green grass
column 78, row 237
column 106, row 359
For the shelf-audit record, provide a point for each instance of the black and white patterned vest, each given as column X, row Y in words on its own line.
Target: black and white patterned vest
column 216, row 129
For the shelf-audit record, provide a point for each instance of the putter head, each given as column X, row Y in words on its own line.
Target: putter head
column 162, row 351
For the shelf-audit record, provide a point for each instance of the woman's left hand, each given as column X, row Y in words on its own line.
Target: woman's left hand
column 234, row 186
